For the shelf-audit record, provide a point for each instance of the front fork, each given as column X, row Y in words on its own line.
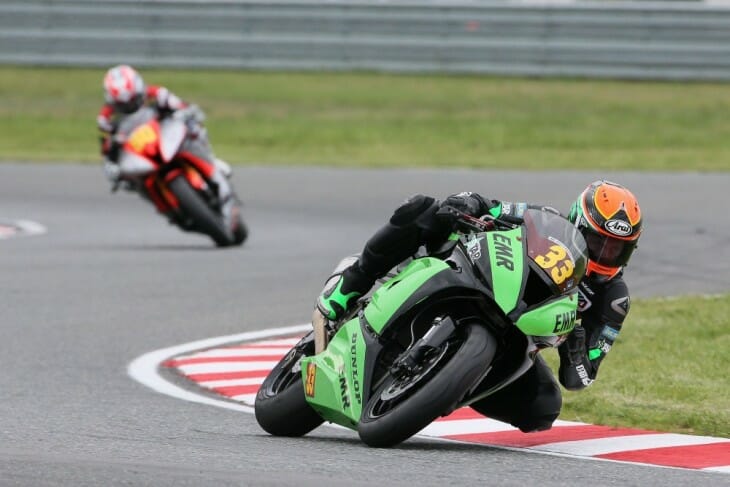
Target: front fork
column 409, row 362
column 321, row 331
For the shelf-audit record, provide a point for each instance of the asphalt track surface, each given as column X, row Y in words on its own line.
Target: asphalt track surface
column 111, row 281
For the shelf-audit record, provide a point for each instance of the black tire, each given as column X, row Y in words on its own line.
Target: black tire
column 240, row 231
column 281, row 409
column 204, row 219
column 389, row 419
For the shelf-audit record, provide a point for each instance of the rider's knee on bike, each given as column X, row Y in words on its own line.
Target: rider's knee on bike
column 536, row 423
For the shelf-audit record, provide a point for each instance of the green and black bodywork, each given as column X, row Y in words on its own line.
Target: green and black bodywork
column 446, row 330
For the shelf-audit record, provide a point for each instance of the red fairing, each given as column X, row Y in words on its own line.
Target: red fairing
column 145, row 141
column 206, row 168
column 155, row 196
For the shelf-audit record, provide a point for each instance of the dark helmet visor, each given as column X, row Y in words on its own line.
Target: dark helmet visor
column 607, row 251
column 130, row 106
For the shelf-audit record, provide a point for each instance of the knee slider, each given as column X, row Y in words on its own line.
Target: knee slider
column 540, row 423
column 412, row 209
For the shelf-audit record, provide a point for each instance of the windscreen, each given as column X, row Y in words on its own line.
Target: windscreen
column 557, row 248
column 129, row 122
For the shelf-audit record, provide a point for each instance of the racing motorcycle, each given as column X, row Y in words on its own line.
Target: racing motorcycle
column 166, row 158
column 445, row 330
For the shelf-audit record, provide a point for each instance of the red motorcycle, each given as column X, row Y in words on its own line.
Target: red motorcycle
column 167, row 159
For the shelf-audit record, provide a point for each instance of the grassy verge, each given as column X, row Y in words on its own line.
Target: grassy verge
column 384, row 120
column 668, row 370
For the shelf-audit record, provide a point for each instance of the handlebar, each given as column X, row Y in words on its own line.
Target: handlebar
column 484, row 224
column 191, row 112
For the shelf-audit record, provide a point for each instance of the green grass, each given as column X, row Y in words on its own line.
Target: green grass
column 667, row 371
column 385, row 120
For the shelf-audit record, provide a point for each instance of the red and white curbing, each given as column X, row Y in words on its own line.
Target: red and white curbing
column 237, row 371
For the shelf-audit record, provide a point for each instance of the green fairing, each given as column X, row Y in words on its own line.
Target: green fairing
column 507, row 260
column 337, row 384
column 575, row 211
column 551, row 319
column 388, row 299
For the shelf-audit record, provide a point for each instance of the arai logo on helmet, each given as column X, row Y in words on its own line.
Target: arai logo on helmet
column 618, row 227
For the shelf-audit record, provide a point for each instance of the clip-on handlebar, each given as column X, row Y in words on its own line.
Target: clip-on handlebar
column 484, row 224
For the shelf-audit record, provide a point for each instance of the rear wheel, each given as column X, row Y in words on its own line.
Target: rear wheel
column 404, row 404
column 204, row 219
column 281, row 408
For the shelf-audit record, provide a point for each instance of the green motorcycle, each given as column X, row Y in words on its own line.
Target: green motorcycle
column 444, row 331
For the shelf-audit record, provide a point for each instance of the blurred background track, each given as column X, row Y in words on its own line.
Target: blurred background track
column 670, row 40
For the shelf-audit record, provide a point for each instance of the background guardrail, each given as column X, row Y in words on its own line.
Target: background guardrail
column 673, row 40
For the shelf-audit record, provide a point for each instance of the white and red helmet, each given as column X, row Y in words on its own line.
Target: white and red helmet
column 124, row 88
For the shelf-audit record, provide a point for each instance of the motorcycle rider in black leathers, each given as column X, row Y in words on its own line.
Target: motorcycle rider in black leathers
column 608, row 216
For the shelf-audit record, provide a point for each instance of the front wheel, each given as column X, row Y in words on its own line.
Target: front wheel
column 281, row 408
column 405, row 404
column 204, row 219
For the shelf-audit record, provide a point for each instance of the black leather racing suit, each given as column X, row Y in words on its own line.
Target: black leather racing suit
column 534, row 401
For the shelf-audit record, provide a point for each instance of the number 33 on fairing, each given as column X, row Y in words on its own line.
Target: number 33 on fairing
column 556, row 263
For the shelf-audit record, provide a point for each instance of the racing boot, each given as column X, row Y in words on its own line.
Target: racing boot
column 342, row 290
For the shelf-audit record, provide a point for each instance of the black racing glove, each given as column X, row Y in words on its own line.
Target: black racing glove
column 472, row 204
column 576, row 345
column 115, row 149
column 575, row 369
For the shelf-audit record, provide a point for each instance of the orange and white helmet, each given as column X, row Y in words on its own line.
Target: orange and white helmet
column 609, row 217
column 124, row 88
